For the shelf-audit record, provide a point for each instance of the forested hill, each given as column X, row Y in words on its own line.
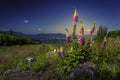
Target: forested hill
column 7, row 39
column 114, row 33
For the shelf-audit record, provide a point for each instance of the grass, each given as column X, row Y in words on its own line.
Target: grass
column 14, row 56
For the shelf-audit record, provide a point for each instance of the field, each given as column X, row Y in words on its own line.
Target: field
column 48, row 65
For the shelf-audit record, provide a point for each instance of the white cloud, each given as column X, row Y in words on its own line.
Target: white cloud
column 26, row 21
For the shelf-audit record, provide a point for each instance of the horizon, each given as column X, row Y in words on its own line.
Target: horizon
column 44, row 16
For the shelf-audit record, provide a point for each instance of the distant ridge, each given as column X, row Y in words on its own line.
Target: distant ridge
column 44, row 37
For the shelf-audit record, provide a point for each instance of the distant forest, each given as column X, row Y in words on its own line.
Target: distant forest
column 114, row 33
column 8, row 39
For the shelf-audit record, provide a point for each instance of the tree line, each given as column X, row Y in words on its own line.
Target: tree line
column 8, row 39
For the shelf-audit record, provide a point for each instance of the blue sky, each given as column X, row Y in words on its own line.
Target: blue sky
column 52, row 16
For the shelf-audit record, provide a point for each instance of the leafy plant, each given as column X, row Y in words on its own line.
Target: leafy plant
column 71, row 60
column 22, row 64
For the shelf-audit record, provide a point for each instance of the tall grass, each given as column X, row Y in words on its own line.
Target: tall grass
column 14, row 57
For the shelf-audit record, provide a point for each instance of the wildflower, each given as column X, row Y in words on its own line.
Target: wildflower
column 104, row 42
column 61, row 51
column 67, row 39
column 67, row 35
column 81, row 39
column 54, row 50
column 58, row 51
column 91, row 41
column 81, row 28
column 75, row 20
column 75, row 17
column 93, row 29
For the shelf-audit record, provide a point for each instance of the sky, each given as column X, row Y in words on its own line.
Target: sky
column 53, row 16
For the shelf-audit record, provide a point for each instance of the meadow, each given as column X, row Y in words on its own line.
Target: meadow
column 45, row 59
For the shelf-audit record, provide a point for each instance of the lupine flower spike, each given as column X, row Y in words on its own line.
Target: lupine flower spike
column 61, row 51
column 93, row 29
column 91, row 41
column 81, row 28
column 58, row 51
column 104, row 42
column 75, row 20
column 67, row 35
column 81, row 39
column 75, row 17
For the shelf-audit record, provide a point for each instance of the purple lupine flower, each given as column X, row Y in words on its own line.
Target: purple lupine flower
column 82, row 31
column 75, row 17
column 81, row 28
column 60, row 52
column 67, row 39
column 81, row 40
column 104, row 42
column 93, row 29
column 67, row 35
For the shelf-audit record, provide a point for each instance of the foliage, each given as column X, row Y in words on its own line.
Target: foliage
column 21, row 64
column 114, row 34
column 101, row 32
column 41, row 63
column 77, row 56
column 106, row 59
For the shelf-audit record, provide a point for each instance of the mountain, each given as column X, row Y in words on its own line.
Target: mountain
column 48, row 38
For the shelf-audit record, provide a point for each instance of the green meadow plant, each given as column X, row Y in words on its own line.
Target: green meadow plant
column 21, row 64
column 81, row 52
column 104, row 54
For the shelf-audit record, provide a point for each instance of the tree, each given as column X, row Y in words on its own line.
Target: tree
column 101, row 32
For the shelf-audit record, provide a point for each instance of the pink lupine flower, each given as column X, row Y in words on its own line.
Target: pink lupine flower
column 93, row 29
column 75, row 17
column 104, row 42
column 67, row 39
column 60, row 52
column 81, row 28
column 67, row 35
column 81, row 39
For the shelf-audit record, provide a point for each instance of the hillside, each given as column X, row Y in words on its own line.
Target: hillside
column 114, row 33
column 44, row 37
column 7, row 39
